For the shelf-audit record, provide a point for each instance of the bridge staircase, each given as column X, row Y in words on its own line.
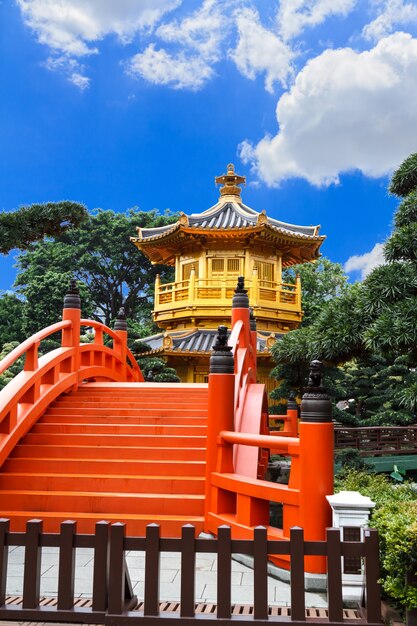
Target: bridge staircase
column 131, row 452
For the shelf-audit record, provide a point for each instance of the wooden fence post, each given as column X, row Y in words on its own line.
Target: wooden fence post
column 298, row 607
column 66, row 569
column 32, row 567
column 151, row 606
column 4, row 555
column 187, row 571
column 224, row 572
column 260, row 573
column 101, row 566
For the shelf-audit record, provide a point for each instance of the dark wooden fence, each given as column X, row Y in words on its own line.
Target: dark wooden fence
column 378, row 440
column 113, row 602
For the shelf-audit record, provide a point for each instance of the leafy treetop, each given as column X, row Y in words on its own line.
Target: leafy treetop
column 20, row 228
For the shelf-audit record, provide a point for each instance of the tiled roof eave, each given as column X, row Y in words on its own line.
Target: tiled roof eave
column 234, row 231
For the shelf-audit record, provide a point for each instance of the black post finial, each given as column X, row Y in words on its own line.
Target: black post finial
column 120, row 323
column 72, row 298
column 292, row 402
column 221, row 360
column 240, row 299
column 316, row 405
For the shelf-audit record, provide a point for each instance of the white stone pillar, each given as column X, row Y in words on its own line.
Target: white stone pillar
column 351, row 512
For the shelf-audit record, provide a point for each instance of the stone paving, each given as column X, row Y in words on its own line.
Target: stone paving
column 170, row 578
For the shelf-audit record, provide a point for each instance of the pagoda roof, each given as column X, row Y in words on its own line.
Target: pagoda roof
column 229, row 218
column 226, row 215
column 195, row 341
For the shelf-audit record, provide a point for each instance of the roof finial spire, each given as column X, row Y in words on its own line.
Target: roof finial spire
column 230, row 182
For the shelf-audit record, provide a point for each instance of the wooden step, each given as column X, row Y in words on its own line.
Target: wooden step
column 104, row 467
column 122, row 484
column 109, row 452
column 167, row 403
column 120, row 440
column 102, row 502
column 154, row 411
column 119, row 429
column 123, row 419
column 135, row 524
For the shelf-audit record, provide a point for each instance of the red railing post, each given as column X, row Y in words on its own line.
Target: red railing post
column 291, row 418
column 221, row 399
column 71, row 335
column 316, row 463
column 120, row 328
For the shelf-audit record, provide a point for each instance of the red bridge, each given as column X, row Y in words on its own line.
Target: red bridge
column 83, row 437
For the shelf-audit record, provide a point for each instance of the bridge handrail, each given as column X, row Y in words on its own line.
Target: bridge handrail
column 31, row 343
column 260, row 441
column 86, row 323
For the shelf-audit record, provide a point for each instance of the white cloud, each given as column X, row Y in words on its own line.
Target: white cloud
column 365, row 263
column 73, row 69
column 70, row 26
column 346, row 111
column 199, row 37
column 259, row 50
column 392, row 13
column 178, row 71
column 202, row 31
column 295, row 15
column 79, row 80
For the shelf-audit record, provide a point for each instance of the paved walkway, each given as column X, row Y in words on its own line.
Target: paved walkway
column 205, row 586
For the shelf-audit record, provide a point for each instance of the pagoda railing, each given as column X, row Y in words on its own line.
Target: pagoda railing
column 204, row 291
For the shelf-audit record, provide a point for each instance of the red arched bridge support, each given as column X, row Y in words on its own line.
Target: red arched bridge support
column 231, row 457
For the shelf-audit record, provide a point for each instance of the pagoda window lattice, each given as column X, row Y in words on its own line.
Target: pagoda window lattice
column 186, row 270
column 225, row 268
column 265, row 271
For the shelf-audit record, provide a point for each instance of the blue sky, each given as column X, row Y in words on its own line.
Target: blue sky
column 142, row 102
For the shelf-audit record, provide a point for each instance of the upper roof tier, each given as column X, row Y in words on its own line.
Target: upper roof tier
column 230, row 218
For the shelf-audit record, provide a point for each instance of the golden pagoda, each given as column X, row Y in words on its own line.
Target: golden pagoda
column 209, row 250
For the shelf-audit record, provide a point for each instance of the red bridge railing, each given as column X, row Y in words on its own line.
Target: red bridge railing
column 45, row 377
column 238, row 444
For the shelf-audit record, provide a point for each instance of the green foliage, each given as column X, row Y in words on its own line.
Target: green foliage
column 369, row 321
column 100, row 255
column 404, row 180
column 350, row 459
column 11, row 319
column 17, row 367
column 395, row 518
column 156, row 370
column 320, row 281
column 18, row 229
column 375, row 390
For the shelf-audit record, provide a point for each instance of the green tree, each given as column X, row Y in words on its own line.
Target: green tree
column 19, row 228
column 378, row 317
column 100, row 256
column 320, row 281
column 11, row 319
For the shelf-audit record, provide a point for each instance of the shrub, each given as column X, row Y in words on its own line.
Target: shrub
column 395, row 518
